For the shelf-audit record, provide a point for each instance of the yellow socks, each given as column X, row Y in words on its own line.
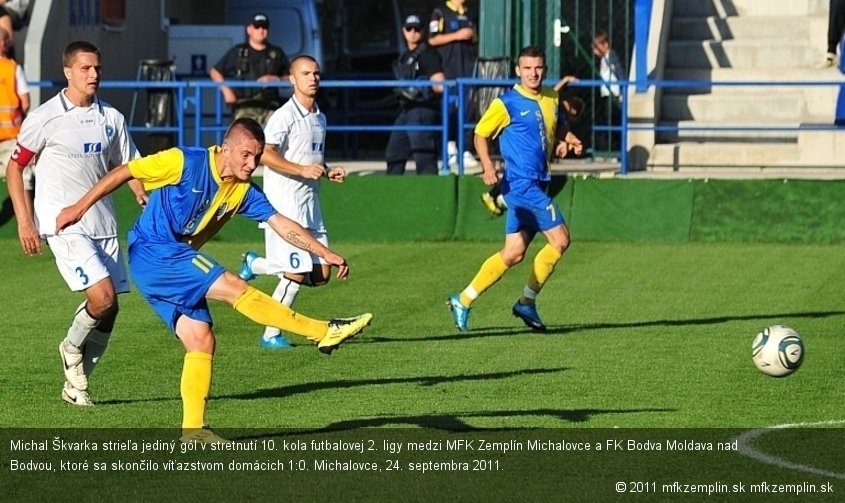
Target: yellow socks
column 544, row 266
column 262, row 309
column 491, row 271
column 196, row 383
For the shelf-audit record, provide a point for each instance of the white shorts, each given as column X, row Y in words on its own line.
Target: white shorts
column 83, row 261
column 285, row 257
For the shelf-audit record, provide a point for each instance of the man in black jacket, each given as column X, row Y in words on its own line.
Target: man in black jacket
column 257, row 60
column 418, row 105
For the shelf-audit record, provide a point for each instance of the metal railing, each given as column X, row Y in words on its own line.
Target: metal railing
column 197, row 116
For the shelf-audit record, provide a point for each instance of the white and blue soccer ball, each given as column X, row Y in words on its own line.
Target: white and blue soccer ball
column 777, row 351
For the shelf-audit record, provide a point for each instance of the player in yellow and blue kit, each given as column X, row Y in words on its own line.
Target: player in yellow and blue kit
column 525, row 120
column 194, row 191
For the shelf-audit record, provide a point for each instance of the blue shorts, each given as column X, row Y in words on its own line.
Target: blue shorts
column 530, row 209
column 173, row 278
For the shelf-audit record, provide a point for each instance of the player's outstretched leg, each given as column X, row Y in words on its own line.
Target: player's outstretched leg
column 262, row 309
column 341, row 329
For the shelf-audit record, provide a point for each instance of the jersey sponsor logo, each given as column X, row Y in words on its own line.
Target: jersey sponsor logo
column 523, row 113
column 92, row 148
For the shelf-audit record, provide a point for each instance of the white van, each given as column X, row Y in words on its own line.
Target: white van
column 349, row 38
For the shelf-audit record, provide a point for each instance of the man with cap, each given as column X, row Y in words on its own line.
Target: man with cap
column 418, row 105
column 258, row 60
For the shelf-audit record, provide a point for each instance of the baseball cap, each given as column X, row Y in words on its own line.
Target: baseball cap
column 260, row 20
column 413, row 21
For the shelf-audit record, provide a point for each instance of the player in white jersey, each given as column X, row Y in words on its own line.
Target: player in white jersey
column 294, row 162
column 78, row 138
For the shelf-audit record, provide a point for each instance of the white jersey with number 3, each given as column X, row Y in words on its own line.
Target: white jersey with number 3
column 76, row 147
column 299, row 136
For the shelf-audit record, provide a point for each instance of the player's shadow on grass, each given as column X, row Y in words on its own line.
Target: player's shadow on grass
column 695, row 321
column 456, row 421
column 516, row 329
column 298, row 389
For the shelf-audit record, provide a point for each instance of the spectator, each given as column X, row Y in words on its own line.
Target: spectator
column 12, row 17
column 256, row 59
column 607, row 112
column 418, row 105
column 835, row 28
column 452, row 31
column 14, row 104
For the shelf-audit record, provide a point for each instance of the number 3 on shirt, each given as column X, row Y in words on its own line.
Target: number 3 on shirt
column 81, row 273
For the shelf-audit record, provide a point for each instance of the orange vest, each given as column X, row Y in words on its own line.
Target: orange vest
column 10, row 105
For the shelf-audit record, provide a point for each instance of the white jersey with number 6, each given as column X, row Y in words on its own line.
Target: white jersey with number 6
column 299, row 136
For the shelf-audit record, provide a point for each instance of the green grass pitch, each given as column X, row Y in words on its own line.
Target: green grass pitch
column 641, row 336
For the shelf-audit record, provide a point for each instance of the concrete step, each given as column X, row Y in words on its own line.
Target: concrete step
column 758, row 53
column 744, row 27
column 725, row 8
column 721, row 154
column 696, row 131
column 793, row 74
column 819, row 97
column 786, row 107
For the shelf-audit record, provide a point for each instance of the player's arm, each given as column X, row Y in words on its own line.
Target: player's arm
column 495, row 118
column 27, row 231
column 108, row 184
column 294, row 234
column 276, row 162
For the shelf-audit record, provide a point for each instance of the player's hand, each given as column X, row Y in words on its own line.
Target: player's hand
column 68, row 217
column 312, row 171
column 142, row 199
column 570, row 143
column 30, row 240
column 337, row 174
column 339, row 262
column 490, row 176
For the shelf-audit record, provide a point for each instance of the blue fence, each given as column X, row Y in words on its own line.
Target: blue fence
column 200, row 116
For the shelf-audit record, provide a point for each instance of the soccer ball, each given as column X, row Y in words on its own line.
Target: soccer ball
column 777, row 351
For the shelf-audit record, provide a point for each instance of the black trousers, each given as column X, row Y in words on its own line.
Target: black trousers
column 421, row 146
column 835, row 24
